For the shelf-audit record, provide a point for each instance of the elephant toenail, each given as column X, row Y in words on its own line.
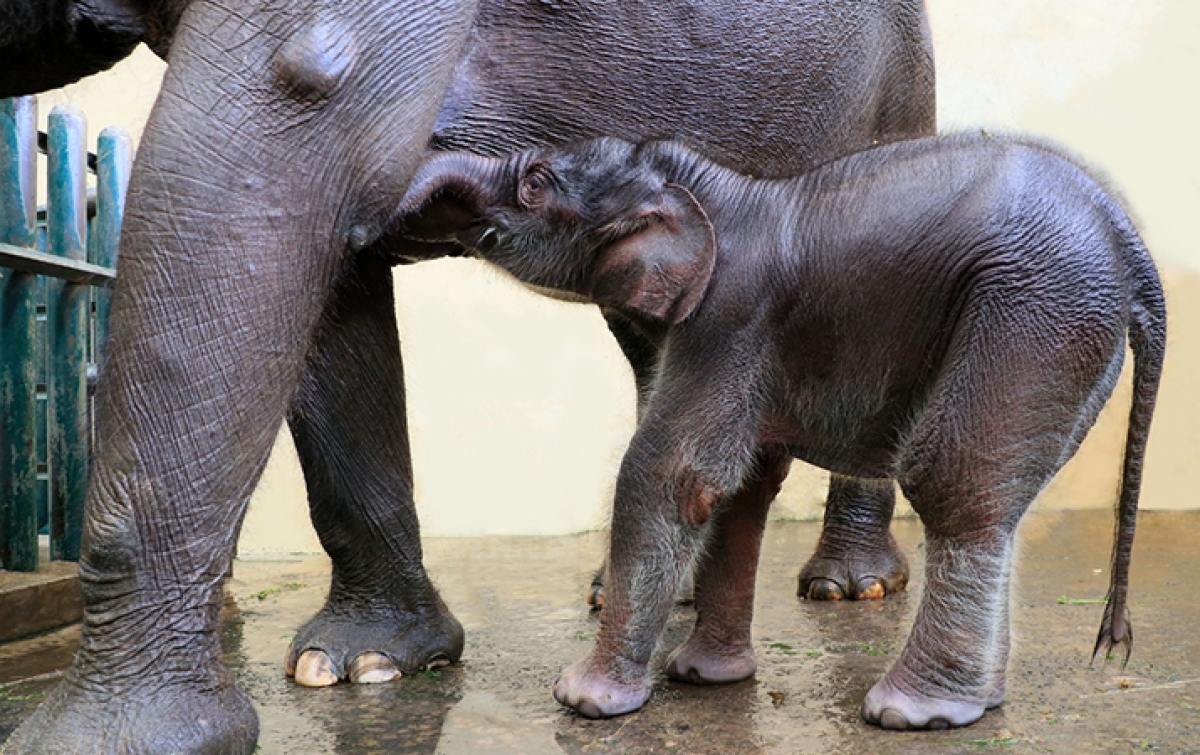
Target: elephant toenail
column 868, row 588
column 893, row 719
column 315, row 669
column 372, row 668
column 937, row 724
column 589, row 709
column 437, row 661
column 824, row 589
column 596, row 598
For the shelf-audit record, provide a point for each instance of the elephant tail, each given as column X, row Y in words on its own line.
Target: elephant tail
column 1147, row 330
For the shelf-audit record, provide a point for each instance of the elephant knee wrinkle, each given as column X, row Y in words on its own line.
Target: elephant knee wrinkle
column 311, row 65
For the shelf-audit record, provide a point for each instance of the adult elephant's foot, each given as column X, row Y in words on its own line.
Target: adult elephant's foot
column 372, row 643
column 193, row 717
column 838, row 572
column 703, row 661
column 857, row 557
column 893, row 705
column 599, row 688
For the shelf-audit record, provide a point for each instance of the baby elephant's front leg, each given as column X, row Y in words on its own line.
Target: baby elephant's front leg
column 654, row 542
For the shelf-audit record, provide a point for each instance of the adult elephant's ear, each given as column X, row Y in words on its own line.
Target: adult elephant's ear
column 661, row 270
column 450, row 191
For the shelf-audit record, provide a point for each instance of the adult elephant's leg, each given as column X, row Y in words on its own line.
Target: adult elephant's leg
column 252, row 181
column 382, row 616
column 209, row 335
column 856, row 557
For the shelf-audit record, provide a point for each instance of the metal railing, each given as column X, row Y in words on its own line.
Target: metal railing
column 55, row 268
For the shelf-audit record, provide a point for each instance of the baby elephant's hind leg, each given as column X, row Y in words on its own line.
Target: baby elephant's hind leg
column 1000, row 423
column 952, row 668
column 719, row 649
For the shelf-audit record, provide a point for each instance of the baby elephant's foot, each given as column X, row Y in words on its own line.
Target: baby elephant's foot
column 702, row 662
column 891, row 707
column 589, row 688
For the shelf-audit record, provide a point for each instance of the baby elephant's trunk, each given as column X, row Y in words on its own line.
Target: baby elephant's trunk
column 1147, row 340
column 473, row 180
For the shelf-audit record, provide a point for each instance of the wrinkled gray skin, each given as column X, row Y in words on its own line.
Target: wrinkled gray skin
column 889, row 315
column 254, row 286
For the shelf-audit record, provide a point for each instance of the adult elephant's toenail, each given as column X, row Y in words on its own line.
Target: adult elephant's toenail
column 315, row 669
column 824, row 589
column 372, row 668
column 869, row 588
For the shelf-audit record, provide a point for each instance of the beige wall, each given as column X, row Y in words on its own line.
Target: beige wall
column 521, row 406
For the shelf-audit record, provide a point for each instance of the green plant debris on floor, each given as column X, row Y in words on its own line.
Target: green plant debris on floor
column 285, row 587
column 993, row 742
column 10, row 697
column 1063, row 600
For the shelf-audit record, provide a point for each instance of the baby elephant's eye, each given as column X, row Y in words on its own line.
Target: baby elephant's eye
column 531, row 193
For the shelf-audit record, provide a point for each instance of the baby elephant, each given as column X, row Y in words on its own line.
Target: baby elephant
column 951, row 313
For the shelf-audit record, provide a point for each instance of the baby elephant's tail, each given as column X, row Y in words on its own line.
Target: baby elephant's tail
column 1147, row 340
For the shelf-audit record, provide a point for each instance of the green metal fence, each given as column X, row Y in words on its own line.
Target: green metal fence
column 56, row 264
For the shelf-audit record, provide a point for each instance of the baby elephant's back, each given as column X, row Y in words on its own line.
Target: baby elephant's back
column 972, row 217
column 1057, row 242
column 914, row 246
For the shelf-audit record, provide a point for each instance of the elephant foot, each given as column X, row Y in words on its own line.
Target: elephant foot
column 700, row 661
column 591, row 689
column 371, row 645
column 837, row 573
column 890, row 706
column 188, row 717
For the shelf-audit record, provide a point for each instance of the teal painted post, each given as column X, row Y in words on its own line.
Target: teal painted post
column 66, row 236
column 114, row 155
column 18, row 366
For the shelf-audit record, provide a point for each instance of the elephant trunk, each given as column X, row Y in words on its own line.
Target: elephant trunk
column 475, row 181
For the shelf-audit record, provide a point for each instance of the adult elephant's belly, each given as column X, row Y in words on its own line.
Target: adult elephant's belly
column 768, row 103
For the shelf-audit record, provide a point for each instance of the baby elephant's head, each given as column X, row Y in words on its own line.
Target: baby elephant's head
column 600, row 219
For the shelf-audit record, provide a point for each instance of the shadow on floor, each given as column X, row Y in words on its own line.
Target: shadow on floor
column 521, row 602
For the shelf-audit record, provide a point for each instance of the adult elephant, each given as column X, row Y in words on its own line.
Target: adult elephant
column 254, row 286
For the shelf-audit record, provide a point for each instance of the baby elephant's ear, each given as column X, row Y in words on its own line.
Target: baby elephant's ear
column 661, row 271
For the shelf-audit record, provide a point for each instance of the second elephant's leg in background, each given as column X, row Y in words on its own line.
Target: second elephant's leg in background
column 348, row 420
column 856, row 557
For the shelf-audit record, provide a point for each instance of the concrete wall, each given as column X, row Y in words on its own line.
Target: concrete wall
column 521, row 406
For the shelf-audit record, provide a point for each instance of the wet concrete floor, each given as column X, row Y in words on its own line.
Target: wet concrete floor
column 521, row 602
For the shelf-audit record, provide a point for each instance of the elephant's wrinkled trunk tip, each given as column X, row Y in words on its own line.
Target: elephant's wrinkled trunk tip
column 469, row 178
